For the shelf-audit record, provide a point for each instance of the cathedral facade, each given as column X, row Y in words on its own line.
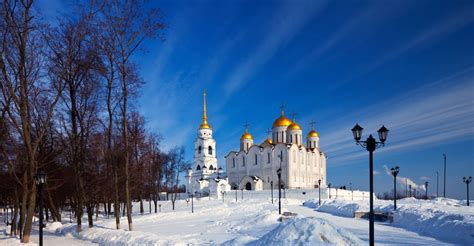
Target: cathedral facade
column 254, row 166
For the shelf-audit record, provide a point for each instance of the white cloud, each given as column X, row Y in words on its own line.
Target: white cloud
column 440, row 111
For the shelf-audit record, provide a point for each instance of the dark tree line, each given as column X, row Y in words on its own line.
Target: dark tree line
column 67, row 106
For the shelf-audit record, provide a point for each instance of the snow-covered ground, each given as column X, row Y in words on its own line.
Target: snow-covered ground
column 445, row 219
column 245, row 222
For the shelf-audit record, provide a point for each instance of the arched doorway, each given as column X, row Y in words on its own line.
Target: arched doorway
column 248, row 186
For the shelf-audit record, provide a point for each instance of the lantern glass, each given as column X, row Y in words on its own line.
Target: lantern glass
column 40, row 177
column 204, row 169
column 219, row 171
column 383, row 133
column 190, row 171
column 357, row 132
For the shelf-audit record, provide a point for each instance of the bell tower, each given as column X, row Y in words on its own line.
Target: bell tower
column 205, row 161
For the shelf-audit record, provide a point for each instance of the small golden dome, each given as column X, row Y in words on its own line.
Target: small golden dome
column 294, row 126
column 313, row 133
column 267, row 141
column 205, row 125
column 246, row 135
column 282, row 121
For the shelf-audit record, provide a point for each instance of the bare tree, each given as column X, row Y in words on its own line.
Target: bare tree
column 128, row 23
column 30, row 99
column 176, row 165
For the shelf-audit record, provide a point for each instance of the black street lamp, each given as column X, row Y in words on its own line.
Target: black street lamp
column 444, row 190
column 236, row 190
column 219, row 172
column 437, row 180
column 370, row 144
column 279, row 184
column 329, row 186
column 426, row 190
column 40, row 180
column 271, row 185
column 394, row 171
column 352, row 192
column 467, row 181
column 192, row 201
column 319, row 186
column 242, row 189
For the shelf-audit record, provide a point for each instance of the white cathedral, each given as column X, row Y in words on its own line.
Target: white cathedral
column 255, row 166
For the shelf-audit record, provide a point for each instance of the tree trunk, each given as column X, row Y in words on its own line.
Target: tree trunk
column 14, row 230
column 90, row 214
column 24, row 197
column 142, row 210
column 55, row 214
column 29, row 214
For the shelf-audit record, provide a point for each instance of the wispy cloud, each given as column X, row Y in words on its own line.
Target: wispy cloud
column 440, row 111
column 430, row 35
column 288, row 21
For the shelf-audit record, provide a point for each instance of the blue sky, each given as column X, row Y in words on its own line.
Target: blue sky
column 406, row 64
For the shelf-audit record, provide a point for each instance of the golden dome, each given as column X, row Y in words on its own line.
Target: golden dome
column 267, row 141
column 294, row 126
column 246, row 135
column 205, row 125
column 282, row 121
column 313, row 133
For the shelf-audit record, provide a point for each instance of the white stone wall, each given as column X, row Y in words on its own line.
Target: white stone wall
column 301, row 168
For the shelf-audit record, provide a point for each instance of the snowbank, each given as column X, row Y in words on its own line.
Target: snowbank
column 445, row 219
column 106, row 236
column 307, row 231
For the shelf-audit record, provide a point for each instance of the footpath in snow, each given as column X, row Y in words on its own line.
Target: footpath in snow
column 445, row 219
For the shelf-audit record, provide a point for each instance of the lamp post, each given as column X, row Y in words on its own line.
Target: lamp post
column 409, row 188
column 437, row 180
column 40, row 180
column 319, row 186
column 219, row 172
column 242, row 192
column 370, row 144
column 352, row 192
column 394, row 171
column 271, row 185
column 444, row 190
column 467, row 181
column 279, row 184
column 426, row 190
column 236, row 190
column 190, row 173
column 329, row 188
column 192, row 201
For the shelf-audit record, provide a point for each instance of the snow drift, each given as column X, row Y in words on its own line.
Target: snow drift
column 445, row 219
column 307, row 231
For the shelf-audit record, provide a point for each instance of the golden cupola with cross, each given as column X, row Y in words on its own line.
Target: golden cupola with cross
column 204, row 124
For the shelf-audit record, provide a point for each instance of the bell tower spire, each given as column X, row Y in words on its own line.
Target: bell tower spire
column 204, row 124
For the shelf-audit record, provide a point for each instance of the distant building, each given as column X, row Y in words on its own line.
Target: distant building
column 254, row 166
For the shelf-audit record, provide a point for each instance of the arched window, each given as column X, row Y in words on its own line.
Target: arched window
column 256, row 159
column 268, row 155
column 198, row 167
column 199, row 149
column 233, row 162
column 211, row 167
column 209, row 150
column 243, row 161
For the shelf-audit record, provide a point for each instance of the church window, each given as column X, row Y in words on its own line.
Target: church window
column 243, row 161
column 256, row 159
column 282, row 136
column 291, row 138
column 268, row 157
column 211, row 167
column 198, row 167
column 233, row 162
column 199, row 149
column 247, row 146
column 209, row 150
